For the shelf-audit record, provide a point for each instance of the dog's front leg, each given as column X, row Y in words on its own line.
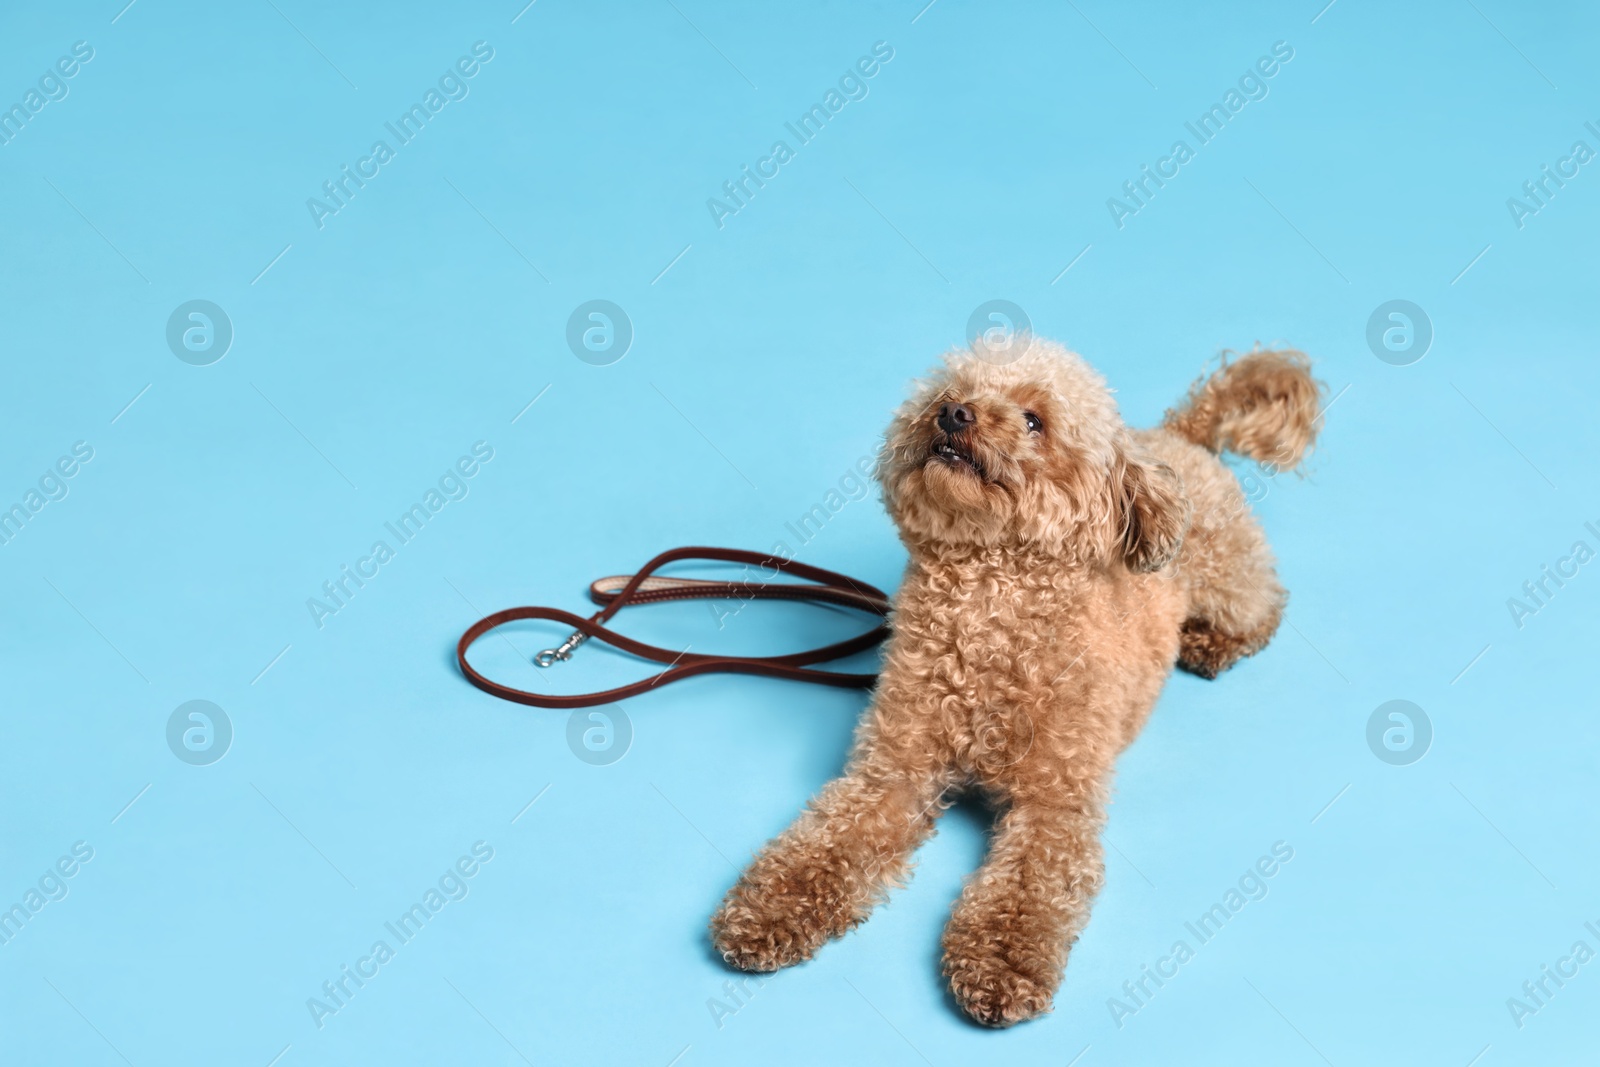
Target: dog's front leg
column 1006, row 944
column 822, row 876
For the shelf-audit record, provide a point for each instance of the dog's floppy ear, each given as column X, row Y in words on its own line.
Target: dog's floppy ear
column 1154, row 510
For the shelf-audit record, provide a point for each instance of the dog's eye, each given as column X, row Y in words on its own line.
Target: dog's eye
column 1034, row 425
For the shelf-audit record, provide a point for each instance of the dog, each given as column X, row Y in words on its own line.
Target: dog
column 1061, row 564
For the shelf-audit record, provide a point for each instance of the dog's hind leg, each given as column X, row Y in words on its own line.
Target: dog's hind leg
column 1265, row 405
column 1235, row 599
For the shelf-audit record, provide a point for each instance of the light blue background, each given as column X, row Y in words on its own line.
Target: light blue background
column 376, row 350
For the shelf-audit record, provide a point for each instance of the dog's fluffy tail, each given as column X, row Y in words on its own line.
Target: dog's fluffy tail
column 1264, row 405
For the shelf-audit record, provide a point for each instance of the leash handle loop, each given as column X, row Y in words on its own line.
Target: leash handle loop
column 614, row 593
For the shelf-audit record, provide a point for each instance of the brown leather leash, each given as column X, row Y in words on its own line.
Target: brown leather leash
column 615, row 593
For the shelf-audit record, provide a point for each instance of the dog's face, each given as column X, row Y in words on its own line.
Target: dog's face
column 1032, row 454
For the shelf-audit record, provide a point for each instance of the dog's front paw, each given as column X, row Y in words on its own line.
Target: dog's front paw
column 780, row 913
column 999, row 978
column 995, row 993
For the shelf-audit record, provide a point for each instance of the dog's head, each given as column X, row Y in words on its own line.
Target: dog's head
column 1028, row 454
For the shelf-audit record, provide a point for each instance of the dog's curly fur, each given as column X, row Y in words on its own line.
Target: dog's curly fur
column 1057, row 574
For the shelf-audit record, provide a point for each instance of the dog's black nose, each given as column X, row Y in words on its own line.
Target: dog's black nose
column 954, row 417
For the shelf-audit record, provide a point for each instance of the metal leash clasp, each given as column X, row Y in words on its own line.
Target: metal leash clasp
column 550, row 656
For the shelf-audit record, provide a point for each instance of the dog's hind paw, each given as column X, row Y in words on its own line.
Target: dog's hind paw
column 1206, row 651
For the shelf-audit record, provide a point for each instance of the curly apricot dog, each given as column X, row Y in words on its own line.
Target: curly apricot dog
column 1060, row 565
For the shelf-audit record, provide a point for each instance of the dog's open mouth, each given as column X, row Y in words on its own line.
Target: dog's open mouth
column 950, row 451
